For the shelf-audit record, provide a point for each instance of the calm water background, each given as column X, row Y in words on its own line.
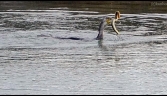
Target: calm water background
column 33, row 62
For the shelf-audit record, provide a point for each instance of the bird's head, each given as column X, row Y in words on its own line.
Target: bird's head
column 108, row 20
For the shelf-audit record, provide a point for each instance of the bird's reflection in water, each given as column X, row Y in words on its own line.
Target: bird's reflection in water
column 108, row 51
column 100, row 44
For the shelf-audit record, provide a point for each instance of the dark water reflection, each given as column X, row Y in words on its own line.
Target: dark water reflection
column 127, row 7
column 34, row 62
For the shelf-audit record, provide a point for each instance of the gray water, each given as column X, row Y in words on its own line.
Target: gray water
column 33, row 62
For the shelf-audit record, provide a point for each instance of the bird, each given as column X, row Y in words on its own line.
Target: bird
column 105, row 21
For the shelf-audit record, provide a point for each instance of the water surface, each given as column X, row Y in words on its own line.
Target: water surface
column 33, row 62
